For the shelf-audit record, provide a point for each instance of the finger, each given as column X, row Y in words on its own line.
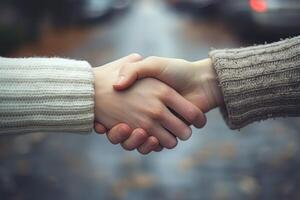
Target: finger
column 166, row 139
column 184, row 108
column 177, row 127
column 99, row 128
column 135, row 140
column 119, row 133
column 130, row 72
column 150, row 145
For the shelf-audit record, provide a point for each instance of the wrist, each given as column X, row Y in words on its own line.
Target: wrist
column 209, row 79
column 100, row 88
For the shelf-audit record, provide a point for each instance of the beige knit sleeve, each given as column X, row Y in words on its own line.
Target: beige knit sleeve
column 259, row 82
column 45, row 95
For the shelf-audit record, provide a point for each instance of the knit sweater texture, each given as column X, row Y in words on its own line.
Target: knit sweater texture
column 259, row 82
column 45, row 95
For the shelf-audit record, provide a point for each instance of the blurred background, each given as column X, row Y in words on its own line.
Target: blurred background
column 261, row 161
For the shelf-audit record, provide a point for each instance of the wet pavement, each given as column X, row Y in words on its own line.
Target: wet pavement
column 260, row 161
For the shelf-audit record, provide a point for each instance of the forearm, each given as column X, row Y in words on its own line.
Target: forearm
column 46, row 95
column 259, row 82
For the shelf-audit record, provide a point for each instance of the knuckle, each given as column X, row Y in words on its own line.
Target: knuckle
column 122, row 135
column 153, row 142
column 142, row 135
column 165, row 93
column 157, row 113
column 118, row 134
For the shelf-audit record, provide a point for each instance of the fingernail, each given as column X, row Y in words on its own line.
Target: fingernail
column 187, row 133
column 120, row 80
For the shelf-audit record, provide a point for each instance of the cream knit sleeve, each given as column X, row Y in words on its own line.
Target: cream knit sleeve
column 259, row 82
column 45, row 95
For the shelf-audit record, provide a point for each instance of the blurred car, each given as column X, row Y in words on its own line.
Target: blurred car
column 276, row 13
column 281, row 16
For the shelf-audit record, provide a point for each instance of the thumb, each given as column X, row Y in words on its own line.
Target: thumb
column 127, row 76
column 131, row 72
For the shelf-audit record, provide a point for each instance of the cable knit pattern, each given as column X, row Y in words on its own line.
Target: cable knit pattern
column 259, row 82
column 45, row 95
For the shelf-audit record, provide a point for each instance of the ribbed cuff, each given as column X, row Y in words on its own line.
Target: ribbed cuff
column 46, row 95
column 259, row 82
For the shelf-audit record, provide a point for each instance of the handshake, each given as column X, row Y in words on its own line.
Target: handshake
column 146, row 104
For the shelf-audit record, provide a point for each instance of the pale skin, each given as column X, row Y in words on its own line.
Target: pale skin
column 150, row 107
column 196, row 81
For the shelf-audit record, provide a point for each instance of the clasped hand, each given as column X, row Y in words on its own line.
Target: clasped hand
column 146, row 104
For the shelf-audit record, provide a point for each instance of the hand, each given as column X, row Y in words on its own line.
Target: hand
column 144, row 105
column 196, row 81
column 129, row 139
